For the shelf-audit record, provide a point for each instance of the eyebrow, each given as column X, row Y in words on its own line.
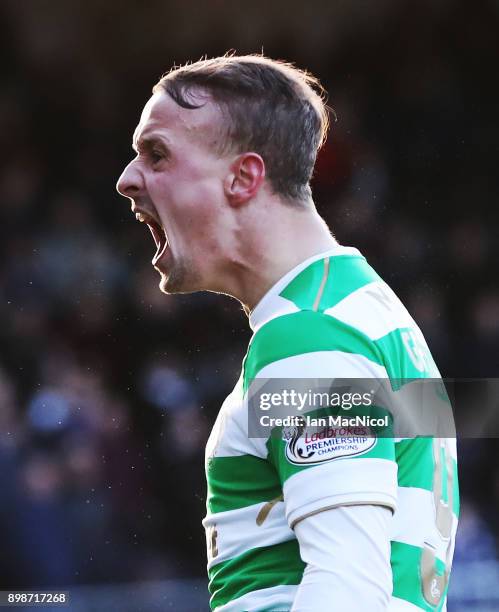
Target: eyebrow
column 147, row 142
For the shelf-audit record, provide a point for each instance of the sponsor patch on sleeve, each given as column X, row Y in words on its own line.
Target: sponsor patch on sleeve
column 312, row 445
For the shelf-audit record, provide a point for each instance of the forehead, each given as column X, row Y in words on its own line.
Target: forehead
column 162, row 116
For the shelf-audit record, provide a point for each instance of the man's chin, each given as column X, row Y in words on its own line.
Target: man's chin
column 167, row 286
column 174, row 281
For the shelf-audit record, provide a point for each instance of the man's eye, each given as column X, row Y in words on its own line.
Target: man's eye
column 156, row 156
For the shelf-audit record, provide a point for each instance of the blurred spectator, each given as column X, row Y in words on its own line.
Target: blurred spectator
column 475, row 541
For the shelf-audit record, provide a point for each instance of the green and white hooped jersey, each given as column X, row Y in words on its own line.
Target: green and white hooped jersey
column 330, row 317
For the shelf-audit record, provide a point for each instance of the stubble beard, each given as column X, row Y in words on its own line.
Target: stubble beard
column 180, row 279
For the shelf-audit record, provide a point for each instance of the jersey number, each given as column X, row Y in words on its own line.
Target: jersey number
column 434, row 578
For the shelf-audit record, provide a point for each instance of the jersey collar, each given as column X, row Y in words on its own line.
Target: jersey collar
column 272, row 304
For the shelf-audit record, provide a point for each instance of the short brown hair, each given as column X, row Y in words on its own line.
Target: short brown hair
column 272, row 108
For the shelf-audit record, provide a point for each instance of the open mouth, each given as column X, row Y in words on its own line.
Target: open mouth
column 158, row 233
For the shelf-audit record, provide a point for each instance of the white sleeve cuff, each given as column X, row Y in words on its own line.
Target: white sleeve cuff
column 339, row 483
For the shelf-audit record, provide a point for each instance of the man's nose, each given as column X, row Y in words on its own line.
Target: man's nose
column 130, row 182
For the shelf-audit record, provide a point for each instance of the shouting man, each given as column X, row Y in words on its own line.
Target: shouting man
column 225, row 150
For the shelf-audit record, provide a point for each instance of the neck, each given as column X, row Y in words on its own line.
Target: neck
column 285, row 238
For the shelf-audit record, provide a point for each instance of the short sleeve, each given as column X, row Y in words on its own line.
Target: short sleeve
column 324, row 466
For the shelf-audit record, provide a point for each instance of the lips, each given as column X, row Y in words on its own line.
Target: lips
column 158, row 233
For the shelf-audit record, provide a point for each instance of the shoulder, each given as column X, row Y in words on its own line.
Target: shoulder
column 306, row 339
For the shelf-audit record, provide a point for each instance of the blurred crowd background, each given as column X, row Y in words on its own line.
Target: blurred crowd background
column 108, row 388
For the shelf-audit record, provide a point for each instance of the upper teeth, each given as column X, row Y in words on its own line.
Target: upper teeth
column 140, row 217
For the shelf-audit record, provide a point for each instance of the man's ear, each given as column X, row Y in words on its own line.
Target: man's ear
column 247, row 173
